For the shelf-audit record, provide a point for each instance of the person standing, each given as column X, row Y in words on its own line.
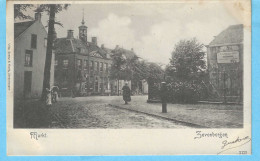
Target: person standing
column 48, row 97
column 126, row 93
column 55, row 95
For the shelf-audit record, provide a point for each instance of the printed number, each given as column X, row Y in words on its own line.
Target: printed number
column 242, row 152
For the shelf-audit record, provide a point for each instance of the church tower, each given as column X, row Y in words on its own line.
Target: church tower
column 83, row 30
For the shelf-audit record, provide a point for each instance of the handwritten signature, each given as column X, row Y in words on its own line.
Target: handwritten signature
column 234, row 144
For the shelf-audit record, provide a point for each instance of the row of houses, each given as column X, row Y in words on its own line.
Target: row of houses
column 79, row 66
column 83, row 66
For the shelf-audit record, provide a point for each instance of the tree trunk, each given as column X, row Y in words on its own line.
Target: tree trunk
column 48, row 59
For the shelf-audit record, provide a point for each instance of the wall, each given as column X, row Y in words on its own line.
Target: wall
column 233, row 71
column 23, row 43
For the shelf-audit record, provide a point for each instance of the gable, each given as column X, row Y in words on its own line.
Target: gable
column 20, row 27
column 96, row 54
column 32, row 27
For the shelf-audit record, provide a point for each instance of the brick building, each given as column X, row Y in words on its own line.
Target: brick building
column 225, row 63
column 82, row 65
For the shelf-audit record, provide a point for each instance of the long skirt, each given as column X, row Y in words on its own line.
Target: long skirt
column 55, row 96
column 48, row 99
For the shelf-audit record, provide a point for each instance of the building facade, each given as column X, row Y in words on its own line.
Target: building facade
column 30, row 39
column 225, row 63
column 81, row 66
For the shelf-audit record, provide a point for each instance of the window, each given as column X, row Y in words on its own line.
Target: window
column 85, row 64
column 91, row 65
column 96, row 84
column 101, row 85
column 91, row 83
column 106, row 69
column 33, row 41
column 28, row 58
column 101, row 67
column 79, row 75
column 105, row 83
column 65, row 63
column 79, row 63
column 96, row 66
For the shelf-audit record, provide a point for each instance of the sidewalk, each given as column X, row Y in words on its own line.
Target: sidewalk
column 31, row 113
column 195, row 115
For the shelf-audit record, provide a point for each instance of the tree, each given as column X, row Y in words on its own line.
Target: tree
column 188, row 60
column 117, row 67
column 20, row 9
column 185, row 71
column 51, row 9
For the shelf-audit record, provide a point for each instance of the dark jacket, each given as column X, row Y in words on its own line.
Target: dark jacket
column 126, row 93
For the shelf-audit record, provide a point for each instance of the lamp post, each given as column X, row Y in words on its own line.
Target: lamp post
column 164, row 97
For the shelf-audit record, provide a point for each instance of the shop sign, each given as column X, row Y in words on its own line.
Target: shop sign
column 228, row 57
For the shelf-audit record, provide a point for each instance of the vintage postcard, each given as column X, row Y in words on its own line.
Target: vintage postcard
column 128, row 77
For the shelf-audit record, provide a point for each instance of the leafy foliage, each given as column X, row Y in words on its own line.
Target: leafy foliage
column 20, row 9
column 187, row 60
column 185, row 72
column 185, row 91
column 132, row 68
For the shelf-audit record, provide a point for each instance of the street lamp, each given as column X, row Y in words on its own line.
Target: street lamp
column 164, row 97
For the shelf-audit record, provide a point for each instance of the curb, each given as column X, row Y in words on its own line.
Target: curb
column 220, row 103
column 161, row 117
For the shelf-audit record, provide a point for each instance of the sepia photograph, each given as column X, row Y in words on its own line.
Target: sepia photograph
column 127, row 65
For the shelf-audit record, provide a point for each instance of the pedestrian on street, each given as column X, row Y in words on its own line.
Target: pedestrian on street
column 48, row 97
column 55, row 95
column 126, row 93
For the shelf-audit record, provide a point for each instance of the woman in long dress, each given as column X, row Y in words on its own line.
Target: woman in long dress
column 126, row 93
column 48, row 97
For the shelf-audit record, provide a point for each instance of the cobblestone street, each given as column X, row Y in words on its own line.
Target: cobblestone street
column 94, row 112
column 110, row 112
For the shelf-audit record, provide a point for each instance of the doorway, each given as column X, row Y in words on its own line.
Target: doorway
column 27, row 83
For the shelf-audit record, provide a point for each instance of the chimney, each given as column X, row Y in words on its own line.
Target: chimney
column 102, row 46
column 117, row 46
column 37, row 16
column 132, row 49
column 70, row 34
column 94, row 40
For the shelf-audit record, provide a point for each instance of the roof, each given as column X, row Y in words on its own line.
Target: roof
column 233, row 34
column 63, row 45
column 72, row 46
column 20, row 27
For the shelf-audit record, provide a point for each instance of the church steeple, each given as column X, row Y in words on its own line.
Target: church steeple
column 83, row 21
column 83, row 29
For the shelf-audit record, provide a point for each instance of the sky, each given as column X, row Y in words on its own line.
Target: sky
column 151, row 29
